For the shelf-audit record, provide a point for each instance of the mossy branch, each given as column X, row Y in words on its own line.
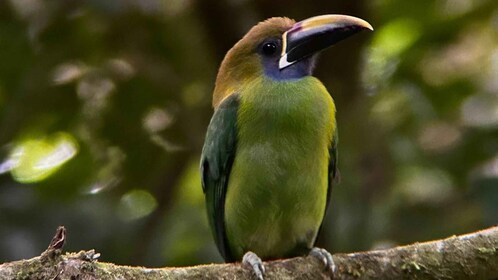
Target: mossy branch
column 471, row 256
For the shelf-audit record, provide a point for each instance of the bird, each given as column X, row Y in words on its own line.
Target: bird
column 270, row 155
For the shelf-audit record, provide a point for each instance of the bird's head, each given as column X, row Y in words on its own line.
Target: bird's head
column 281, row 49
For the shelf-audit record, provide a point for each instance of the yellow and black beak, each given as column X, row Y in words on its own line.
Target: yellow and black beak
column 312, row 35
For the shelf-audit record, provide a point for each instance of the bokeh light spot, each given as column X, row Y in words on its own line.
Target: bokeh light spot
column 422, row 185
column 68, row 72
column 439, row 137
column 157, row 120
column 33, row 160
column 382, row 59
column 136, row 204
column 480, row 110
column 396, row 36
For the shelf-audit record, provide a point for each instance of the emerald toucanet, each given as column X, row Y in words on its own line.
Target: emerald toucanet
column 270, row 155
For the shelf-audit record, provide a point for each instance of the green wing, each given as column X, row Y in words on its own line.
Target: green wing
column 216, row 163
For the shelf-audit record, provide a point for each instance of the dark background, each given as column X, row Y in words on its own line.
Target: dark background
column 104, row 106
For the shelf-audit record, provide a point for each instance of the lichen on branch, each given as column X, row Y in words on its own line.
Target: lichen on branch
column 470, row 256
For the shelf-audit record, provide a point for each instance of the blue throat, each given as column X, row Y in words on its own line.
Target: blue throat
column 297, row 70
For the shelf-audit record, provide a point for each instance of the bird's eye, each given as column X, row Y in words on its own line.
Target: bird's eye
column 269, row 49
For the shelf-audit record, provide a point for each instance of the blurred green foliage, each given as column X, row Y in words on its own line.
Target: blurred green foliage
column 104, row 106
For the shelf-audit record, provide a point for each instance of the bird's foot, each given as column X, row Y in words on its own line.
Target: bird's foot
column 325, row 257
column 254, row 263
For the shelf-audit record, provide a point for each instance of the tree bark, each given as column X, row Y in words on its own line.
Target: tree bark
column 470, row 256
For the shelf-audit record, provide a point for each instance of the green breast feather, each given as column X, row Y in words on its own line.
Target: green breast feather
column 268, row 192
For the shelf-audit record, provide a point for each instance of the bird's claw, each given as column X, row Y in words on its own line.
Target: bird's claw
column 253, row 262
column 325, row 257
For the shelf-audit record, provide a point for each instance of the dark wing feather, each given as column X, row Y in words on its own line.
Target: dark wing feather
column 217, row 158
column 334, row 176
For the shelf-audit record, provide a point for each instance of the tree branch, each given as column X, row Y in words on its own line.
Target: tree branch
column 471, row 256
